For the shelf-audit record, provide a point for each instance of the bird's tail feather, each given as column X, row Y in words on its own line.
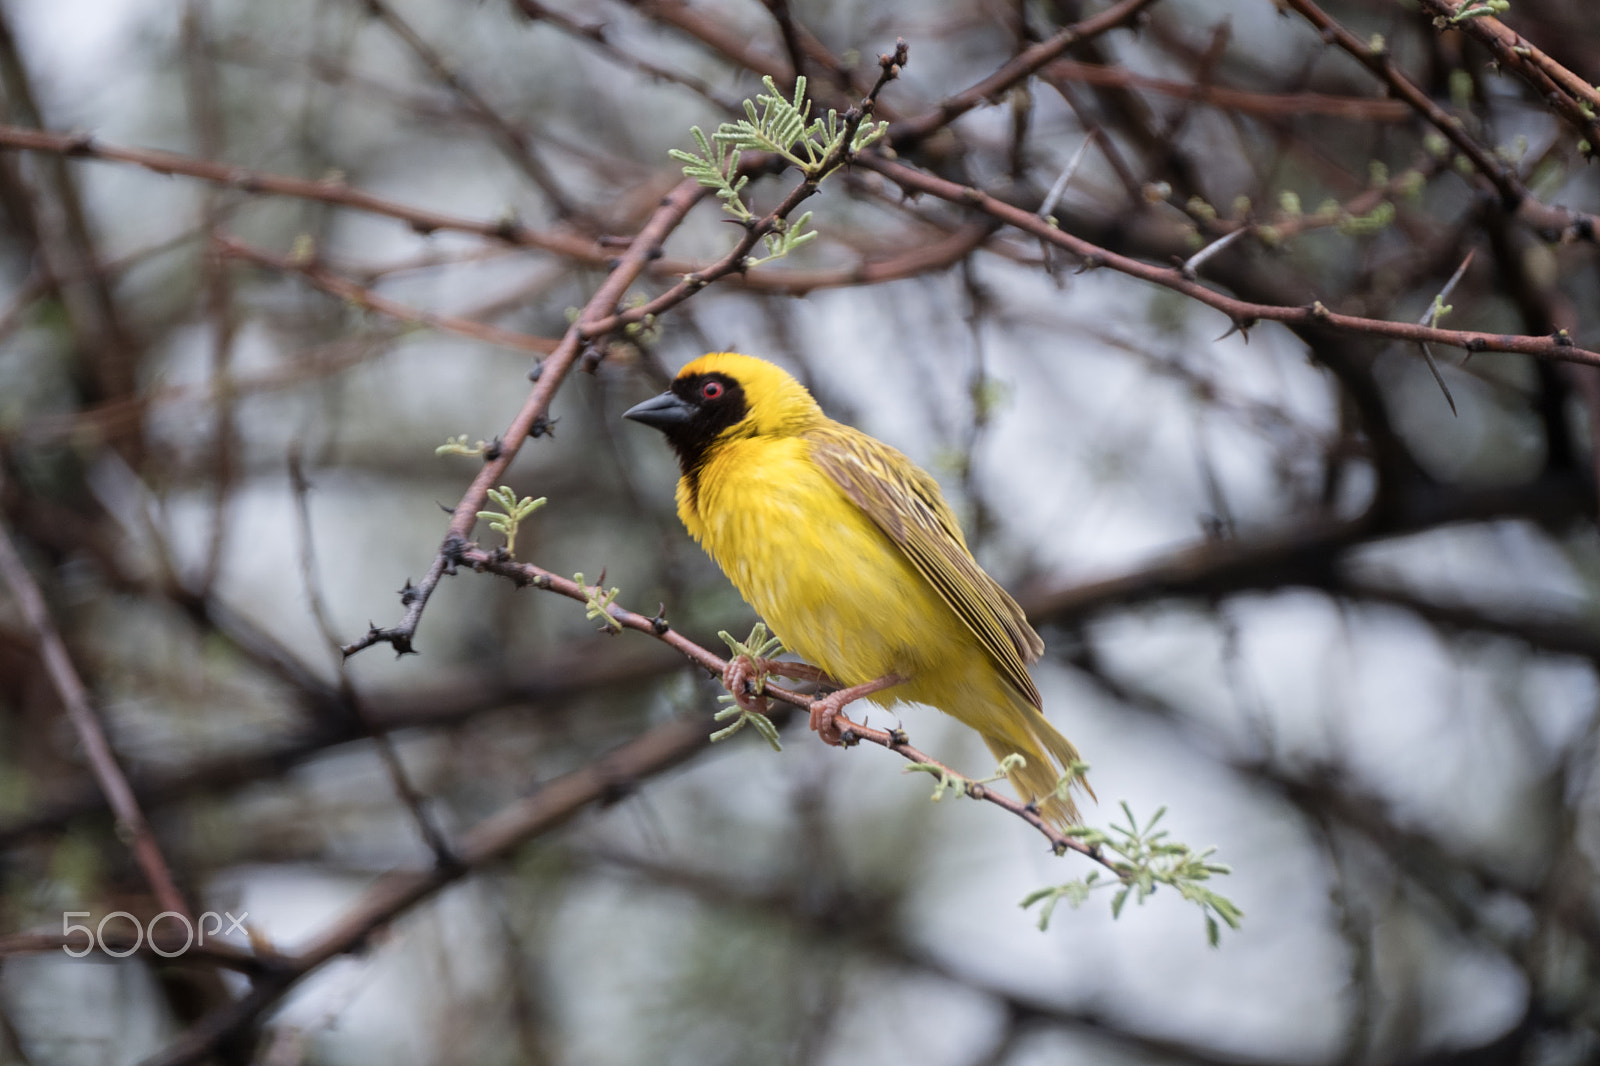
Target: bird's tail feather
column 1049, row 756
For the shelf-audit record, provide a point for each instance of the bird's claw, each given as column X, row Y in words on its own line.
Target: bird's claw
column 825, row 721
column 738, row 679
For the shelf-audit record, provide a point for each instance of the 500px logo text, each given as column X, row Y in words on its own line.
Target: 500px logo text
column 96, row 937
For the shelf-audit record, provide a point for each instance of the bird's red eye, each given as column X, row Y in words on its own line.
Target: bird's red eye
column 711, row 390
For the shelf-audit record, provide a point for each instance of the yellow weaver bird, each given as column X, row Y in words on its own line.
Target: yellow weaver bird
column 849, row 552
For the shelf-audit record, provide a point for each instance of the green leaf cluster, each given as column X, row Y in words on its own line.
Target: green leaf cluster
column 1146, row 859
column 784, row 127
column 512, row 511
column 1473, row 11
column 459, row 446
column 960, row 785
column 1374, row 221
column 1439, row 310
column 599, row 601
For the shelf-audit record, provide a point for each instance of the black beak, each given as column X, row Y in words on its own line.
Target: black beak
column 663, row 412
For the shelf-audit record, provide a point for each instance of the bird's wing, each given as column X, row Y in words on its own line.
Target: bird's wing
column 906, row 504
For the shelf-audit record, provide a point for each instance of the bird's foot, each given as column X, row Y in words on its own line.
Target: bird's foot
column 825, row 720
column 744, row 678
column 825, row 712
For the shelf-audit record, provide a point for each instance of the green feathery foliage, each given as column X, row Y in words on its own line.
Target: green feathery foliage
column 459, row 446
column 959, row 785
column 599, row 601
column 510, row 516
column 1146, row 860
column 784, row 127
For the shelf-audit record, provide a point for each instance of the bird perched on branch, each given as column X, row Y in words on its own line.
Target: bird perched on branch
column 849, row 552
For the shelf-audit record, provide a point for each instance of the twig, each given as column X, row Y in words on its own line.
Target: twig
column 935, row 255
column 1305, row 555
column 554, row 804
column 413, row 799
column 1555, row 85
column 674, row 207
column 550, row 686
column 513, row 142
column 590, row 326
column 1262, row 105
column 75, row 699
column 202, row 94
column 1431, row 317
column 732, row 46
column 719, row 34
column 156, row 941
column 1057, row 190
column 1195, row 261
column 64, row 241
column 1559, row 347
column 595, row 34
column 530, row 575
column 330, row 191
column 353, row 293
column 909, row 132
column 791, row 39
column 1514, row 196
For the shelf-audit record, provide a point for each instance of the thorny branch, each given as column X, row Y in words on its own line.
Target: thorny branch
column 1514, row 195
column 1243, row 313
column 552, row 371
column 893, row 739
column 1574, row 99
column 594, row 323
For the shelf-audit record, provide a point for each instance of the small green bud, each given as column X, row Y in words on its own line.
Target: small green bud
column 303, row 252
column 1513, row 152
column 1372, row 222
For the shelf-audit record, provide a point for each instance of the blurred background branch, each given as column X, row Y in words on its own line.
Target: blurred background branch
column 1345, row 628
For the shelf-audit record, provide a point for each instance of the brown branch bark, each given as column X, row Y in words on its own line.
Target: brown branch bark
column 347, row 290
column 1555, row 86
column 909, row 132
column 1514, row 195
column 894, row 740
column 1242, row 313
column 552, row 806
column 1261, row 105
column 514, row 143
column 554, row 370
column 97, row 749
column 333, row 191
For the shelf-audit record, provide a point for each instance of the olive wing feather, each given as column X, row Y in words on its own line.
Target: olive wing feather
column 906, row 504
